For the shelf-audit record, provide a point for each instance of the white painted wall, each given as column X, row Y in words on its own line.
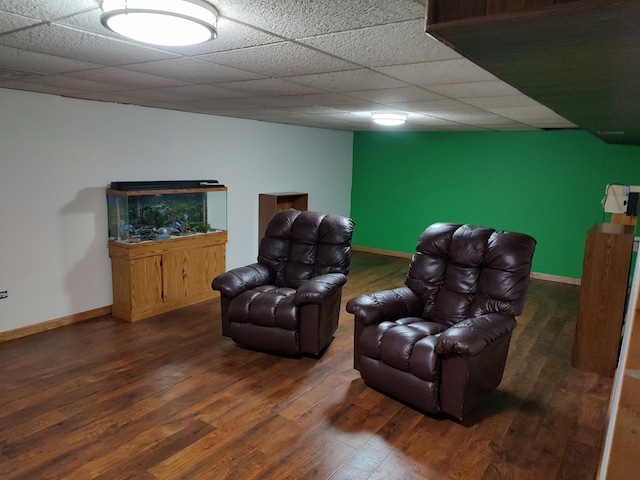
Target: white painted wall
column 58, row 155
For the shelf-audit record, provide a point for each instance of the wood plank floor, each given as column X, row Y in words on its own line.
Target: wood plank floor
column 169, row 398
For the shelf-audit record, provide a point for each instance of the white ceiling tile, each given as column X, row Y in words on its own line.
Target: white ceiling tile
column 201, row 105
column 535, row 115
column 192, row 70
column 277, row 101
column 431, row 121
column 36, row 87
column 326, row 99
column 492, row 88
column 41, row 63
column 513, row 126
column 110, row 97
column 233, row 36
column 360, row 119
column 501, row 101
column 305, row 110
column 470, row 117
column 346, row 81
column 205, row 92
column 155, row 94
column 47, row 10
column 435, row 106
column 126, row 78
column 391, row 44
column 297, row 19
column 76, row 84
column 269, row 86
column 282, row 59
column 395, row 95
column 61, row 42
column 549, row 123
column 439, row 72
column 10, row 22
column 183, row 107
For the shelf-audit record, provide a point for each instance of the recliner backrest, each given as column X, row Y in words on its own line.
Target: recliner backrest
column 298, row 246
column 464, row 271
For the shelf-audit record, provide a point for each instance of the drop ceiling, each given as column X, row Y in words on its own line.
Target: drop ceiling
column 317, row 63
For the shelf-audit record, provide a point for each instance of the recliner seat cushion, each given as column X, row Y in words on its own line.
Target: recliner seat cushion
column 407, row 345
column 268, row 306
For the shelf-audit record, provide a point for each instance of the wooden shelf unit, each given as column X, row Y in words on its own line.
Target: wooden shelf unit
column 270, row 203
column 603, row 292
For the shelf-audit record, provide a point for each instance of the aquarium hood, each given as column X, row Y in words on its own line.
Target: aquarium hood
column 164, row 184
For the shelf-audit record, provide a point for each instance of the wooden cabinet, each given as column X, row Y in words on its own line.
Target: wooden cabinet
column 150, row 278
column 167, row 242
column 270, row 203
column 603, row 291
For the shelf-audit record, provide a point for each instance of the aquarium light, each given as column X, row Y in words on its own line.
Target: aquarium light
column 161, row 22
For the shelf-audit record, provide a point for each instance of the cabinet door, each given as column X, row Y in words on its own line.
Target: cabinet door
column 188, row 273
column 146, row 283
column 213, row 264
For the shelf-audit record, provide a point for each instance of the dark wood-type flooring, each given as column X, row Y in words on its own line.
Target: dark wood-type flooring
column 169, row 398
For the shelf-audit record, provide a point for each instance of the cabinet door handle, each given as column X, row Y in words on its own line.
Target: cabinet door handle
column 184, row 273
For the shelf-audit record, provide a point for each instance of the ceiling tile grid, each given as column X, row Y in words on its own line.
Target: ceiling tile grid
column 325, row 64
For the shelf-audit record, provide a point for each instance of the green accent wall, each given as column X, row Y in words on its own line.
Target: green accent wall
column 548, row 184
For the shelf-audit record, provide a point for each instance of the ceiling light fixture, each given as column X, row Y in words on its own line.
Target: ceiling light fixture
column 161, row 22
column 389, row 119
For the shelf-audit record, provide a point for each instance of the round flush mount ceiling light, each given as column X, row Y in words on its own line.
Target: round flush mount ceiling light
column 389, row 119
column 172, row 23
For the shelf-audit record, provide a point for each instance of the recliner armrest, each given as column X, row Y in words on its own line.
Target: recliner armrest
column 390, row 305
column 237, row 280
column 472, row 336
column 318, row 289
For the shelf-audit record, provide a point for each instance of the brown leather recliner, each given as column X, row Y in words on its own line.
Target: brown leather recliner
column 289, row 301
column 440, row 342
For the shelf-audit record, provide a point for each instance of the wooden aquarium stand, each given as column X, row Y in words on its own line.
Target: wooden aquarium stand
column 155, row 277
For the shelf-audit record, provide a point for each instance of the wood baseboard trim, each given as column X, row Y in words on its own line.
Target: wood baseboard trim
column 56, row 323
column 556, row 278
column 98, row 312
column 378, row 251
column 538, row 276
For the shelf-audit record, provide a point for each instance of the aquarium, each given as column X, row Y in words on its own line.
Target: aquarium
column 154, row 211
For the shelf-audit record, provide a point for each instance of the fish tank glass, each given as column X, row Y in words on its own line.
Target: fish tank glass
column 154, row 211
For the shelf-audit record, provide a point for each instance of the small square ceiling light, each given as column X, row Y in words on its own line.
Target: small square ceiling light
column 171, row 23
column 389, row 119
